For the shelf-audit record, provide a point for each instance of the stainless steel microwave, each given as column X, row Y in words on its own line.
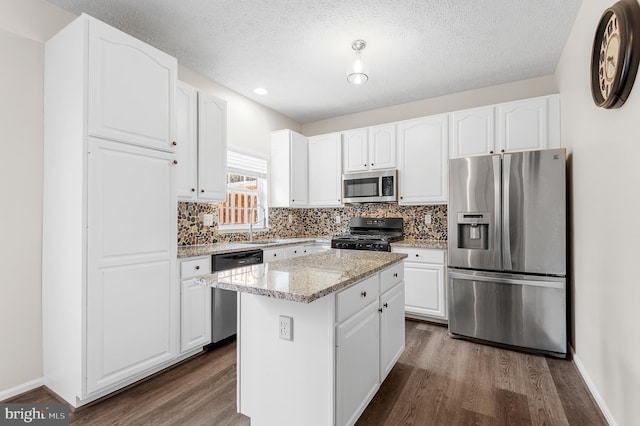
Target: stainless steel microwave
column 370, row 187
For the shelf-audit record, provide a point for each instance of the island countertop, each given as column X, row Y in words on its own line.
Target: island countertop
column 306, row 278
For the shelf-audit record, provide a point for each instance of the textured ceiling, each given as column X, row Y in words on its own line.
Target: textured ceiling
column 299, row 49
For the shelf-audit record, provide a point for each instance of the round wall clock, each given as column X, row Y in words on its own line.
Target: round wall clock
column 615, row 55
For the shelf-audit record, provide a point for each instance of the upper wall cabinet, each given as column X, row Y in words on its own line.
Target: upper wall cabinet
column 529, row 124
column 472, row 132
column 423, row 158
column 289, row 164
column 370, row 148
column 325, row 166
column 201, row 145
column 131, row 89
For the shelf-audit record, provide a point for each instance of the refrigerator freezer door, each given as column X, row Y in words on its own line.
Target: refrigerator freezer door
column 517, row 310
column 534, row 212
column 475, row 213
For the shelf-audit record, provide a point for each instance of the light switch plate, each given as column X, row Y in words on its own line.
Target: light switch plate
column 207, row 220
column 427, row 219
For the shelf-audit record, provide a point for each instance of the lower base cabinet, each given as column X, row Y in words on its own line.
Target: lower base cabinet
column 357, row 363
column 195, row 305
column 343, row 347
column 425, row 283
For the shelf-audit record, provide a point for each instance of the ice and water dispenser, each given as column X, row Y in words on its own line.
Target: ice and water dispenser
column 473, row 230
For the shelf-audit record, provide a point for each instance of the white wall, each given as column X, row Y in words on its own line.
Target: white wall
column 249, row 124
column 604, row 171
column 23, row 27
column 473, row 98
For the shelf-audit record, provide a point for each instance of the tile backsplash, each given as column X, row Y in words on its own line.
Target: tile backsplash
column 311, row 222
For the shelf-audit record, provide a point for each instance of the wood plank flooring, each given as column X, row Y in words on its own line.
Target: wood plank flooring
column 437, row 381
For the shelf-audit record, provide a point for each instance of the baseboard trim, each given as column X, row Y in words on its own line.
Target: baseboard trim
column 592, row 388
column 20, row 389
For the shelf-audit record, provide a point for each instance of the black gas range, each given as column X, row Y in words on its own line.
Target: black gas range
column 367, row 233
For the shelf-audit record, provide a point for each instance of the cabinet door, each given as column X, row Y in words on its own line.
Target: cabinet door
column 131, row 89
column 357, row 363
column 391, row 328
column 295, row 251
column 325, row 170
column 186, row 141
column 298, row 164
column 355, row 150
column 382, row 147
column 195, row 316
column 472, row 132
column 523, row 125
column 423, row 156
column 132, row 286
column 425, row 290
column 212, row 148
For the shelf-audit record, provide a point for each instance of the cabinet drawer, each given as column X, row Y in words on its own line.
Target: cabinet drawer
column 272, row 255
column 296, row 251
column 422, row 255
column 356, row 297
column 195, row 267
column 391, row 276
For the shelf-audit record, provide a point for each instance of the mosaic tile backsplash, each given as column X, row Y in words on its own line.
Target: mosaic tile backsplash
column 316, row 222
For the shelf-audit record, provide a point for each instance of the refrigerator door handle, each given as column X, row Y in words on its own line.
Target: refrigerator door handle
column 506, row 231
column 494, row 279
column 497, row 221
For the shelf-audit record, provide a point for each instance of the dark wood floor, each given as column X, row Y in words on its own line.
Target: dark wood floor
column 437, row 381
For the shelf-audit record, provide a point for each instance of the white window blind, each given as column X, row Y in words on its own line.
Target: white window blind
column 246, row 164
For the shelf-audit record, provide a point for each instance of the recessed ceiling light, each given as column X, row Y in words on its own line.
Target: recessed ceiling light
column 260, row 91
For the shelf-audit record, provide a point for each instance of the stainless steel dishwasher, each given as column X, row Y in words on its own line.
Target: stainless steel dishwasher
column 224, row 303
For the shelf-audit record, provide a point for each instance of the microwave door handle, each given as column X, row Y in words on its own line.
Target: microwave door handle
column 506, row 223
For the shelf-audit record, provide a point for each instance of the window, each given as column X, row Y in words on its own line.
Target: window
column 246, row 193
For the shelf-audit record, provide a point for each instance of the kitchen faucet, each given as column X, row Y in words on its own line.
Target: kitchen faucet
column 251, row 222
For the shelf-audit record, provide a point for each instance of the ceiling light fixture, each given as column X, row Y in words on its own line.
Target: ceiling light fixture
column 357, row 70
column 260, row 91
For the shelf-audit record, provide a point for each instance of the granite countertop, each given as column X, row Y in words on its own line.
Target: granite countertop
column 306, row 278
column 426, row 244
column 230, row 247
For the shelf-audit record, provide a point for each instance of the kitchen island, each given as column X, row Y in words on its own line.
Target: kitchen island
column 343, row 311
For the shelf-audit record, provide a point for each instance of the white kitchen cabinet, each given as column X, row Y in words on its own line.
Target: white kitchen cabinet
column 370, row 148
column 528, row 124
column 187, row 142
column 291, row 252
column 109, row 284
column 325, row 170
column 195, row 305
column 472, row 132
column 130, row 262
column 130, row 88
column 273, row 254
column 357, row 363
column 423, row 159
column 391, row 322
column 382, row 146
column 425, row 283
column 201, row 145
column 288, row 179
column 212, row 148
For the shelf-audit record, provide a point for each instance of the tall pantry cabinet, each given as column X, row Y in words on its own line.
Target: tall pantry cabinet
column 110, row 288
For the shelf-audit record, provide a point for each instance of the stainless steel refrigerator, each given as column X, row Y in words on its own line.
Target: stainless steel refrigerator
column 507, row 249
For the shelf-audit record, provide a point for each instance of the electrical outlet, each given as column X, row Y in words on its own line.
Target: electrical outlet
column 285, row 327
column 207, row 220
column 290, row 219
column 427, row 219
column 338, row 220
